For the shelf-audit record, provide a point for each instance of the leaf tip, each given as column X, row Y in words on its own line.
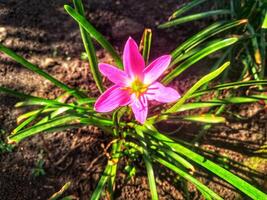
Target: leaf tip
column 10, row 141
column 243, row 21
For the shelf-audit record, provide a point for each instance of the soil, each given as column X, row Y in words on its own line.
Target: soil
column 43, row 33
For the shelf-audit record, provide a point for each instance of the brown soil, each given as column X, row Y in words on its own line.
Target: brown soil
column 43, row 33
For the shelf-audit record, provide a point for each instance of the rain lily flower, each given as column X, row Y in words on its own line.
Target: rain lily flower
column 136, row 85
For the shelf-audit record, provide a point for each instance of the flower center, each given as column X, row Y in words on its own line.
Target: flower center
column 138, row 87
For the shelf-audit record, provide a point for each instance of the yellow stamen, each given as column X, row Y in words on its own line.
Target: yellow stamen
column 137, row 87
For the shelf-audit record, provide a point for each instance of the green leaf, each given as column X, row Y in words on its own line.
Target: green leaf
column 148, row 164
column 62, row 120
column 170, row 154
column 264, row 24
column 95, row 34
column 31, row 100
column 188, row 177
column 58, row 194
column 89, row 48
column 115, row 155
column 229, row 177
column 219, row 102
column 37, row 70
column 193, row 17
column 186, row 7
column 54, row 114
column 197, row 85
column 197, row 105
column 27, row 115
column 198, row 56
column 204, row 34
column 145, row 44
column 100, row 186
column 256, row 51
column 205, row 118
column 150, row 175
column 231, row 85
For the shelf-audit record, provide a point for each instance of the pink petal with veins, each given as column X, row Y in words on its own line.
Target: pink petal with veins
column 111, row 99
column 133, row 61
column 114, row 74
column 158, row 92
column 154, row 70
column 140, row 108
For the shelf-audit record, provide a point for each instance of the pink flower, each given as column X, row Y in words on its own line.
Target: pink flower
column 136, row 85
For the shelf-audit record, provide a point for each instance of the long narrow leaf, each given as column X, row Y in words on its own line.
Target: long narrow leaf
column 205, row 118
column 15, row 138
column 230, row 86
column 217, row 45
column 145, row 44
column 264, row 24
column 193, row 17
column 204, row 34
column 115, row 155
column 94, row 33
column 188, row 177
column 151, row 177
column 186, row 7
column 37, row 70
column 197, row 85
column 179, row 159
column 100, row 186
column 89, row 48
column 237, row 182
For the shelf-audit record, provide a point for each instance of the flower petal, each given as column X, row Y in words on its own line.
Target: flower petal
column 111, row 99
column 133, row 61
column 158, row 92
column 114, row 74
column 140, row 108
column 153, row 71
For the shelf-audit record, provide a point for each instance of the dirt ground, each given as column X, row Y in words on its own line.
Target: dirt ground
column 43, row 33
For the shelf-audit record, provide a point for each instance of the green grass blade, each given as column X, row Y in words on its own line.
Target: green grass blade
column 115, row 155
column 32, row 99
column 95, row 34
column 103, row 180
column 197, row 85
column 15, row 138
column 89, row 48
column 150, row 175
column 205, row 118
column 145, row 44
column 97, row 121
column 179, row 159
column 204, row 34
column 186, row 7
column 197, row 105
column 214, row 46
column 27, row 115
column 87, row 101
column 148, row 164
column 57, row 112
column 58, row 194
column 264, row 24
column 232, row 85
column 219, row 102
column 229, row 177
column 37, row 70
column 35, row 114
column 188, row 177
column 255, row 44
column 193, row 17
column 26, row 122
